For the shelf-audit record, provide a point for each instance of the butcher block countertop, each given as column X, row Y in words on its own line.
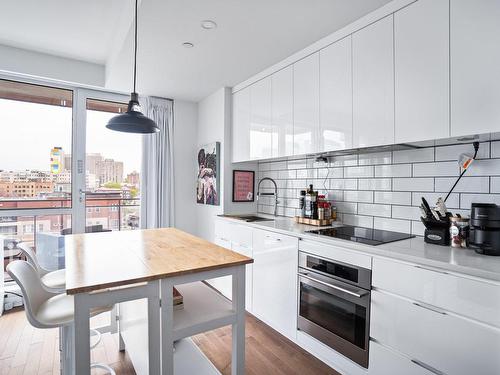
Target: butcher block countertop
column 110, row 259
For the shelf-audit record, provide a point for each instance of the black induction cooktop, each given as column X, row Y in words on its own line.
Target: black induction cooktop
column 363, row 235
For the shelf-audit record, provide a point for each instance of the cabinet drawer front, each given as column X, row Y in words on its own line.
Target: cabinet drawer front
column 384, row 361
column 239, row 235
column 335, row 253
column 265, row 241
column 447, row 343
column 476, row 299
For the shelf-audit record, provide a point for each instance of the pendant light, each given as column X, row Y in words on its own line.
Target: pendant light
column 133, row 121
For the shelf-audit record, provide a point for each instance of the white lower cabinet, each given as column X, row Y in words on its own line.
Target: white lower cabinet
column 223, row 284
column 275, row 281
column 243, row 250
column 435, row 338
column 385, row 361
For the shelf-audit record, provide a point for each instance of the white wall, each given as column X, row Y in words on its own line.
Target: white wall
column 37, row 64
column 185, row 128
column 214, row 125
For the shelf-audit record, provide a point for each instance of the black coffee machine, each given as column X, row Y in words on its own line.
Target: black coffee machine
column 485, row 228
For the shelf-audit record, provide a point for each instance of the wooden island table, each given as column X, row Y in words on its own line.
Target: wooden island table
column 138, row 270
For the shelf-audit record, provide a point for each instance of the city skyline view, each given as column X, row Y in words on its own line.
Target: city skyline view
column 37, row 141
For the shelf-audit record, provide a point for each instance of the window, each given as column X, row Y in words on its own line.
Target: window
column 36, row 123
column 28, row 228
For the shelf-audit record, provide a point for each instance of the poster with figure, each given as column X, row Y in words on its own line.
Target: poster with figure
column 207, row 188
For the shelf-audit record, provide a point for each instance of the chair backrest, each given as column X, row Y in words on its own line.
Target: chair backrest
column 31, row 257
column 33, row 292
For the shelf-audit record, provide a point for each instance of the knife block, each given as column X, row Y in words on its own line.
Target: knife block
column 437, row 236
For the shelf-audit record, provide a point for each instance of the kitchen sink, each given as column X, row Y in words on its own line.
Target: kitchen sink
column 248, row 218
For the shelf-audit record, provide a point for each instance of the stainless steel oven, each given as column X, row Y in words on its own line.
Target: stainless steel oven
column 334, row 305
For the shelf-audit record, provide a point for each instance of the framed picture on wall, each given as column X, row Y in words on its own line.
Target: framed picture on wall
column 243, row 186
column 207, row 183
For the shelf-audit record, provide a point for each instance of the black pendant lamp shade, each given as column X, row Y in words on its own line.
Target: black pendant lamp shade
column 133, row 121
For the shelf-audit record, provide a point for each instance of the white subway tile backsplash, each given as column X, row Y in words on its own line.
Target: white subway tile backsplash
column 344, row 160
column 452, row 202
column 447, row 168
column 413, row 184
column 358, row 220
column 405, row 212
column 344, row 184
column 465, row 185
column 358, row 196
column 287, row 174
column 486, row 167
column 346, row 207
column 495, row 149
column 375, row 184
column 295, row 164
column 495, row 185
column 388, row 197
column 394, row 225
column 354, row 172
column 417, row 228
column 467, row 199
column 374, row 209
column 413, row 156
column 453, row 152
column 396, row 170
column 384, row 189
column 375, row 158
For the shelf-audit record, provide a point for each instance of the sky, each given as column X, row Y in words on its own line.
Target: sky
column 28, row 131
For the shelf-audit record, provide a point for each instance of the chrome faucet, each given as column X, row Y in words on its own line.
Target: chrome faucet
column 275, row 194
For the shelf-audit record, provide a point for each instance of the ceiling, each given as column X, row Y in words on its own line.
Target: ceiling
column 251, row 36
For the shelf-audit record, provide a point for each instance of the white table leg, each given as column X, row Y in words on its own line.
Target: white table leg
column 154, row 332
column 238, row 329
column 167, row 318
column 82, row 334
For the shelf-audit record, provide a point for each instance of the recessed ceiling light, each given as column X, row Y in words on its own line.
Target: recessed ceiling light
column 208, row 24
column 188, row 44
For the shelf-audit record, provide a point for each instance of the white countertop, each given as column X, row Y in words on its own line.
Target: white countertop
column 415, row 250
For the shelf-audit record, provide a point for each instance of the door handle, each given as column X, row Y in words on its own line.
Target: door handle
column 359, row 295
column 427, row 367
column 431, row 308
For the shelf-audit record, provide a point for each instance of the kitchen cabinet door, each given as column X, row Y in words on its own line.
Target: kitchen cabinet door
column 421, row 40
column 261, row 132
column 336, row 96
column 373, row 84
column 241, row 126
column 475, row 62
column 275, row 281
column 306, row 105
column 282, row 112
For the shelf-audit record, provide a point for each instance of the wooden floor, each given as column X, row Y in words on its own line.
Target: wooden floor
column 27, row 350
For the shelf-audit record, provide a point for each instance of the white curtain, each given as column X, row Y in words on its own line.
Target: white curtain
column 157, row 184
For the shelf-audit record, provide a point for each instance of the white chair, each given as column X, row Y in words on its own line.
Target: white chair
column 46, row 309
column 53, row 281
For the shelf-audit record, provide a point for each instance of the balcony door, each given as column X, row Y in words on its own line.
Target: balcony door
column 107, row 189
column 61, row 170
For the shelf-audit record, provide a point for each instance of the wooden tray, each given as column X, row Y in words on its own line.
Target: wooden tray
column 316, row 222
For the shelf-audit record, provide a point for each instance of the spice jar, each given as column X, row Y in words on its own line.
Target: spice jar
column 459, row 231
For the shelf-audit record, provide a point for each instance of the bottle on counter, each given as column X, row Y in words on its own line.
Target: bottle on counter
column 311, row 204
column 302, row 203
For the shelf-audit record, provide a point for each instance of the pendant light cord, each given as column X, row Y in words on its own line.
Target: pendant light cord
column 135, row 45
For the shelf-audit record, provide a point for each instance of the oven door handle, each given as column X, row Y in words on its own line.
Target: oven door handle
column 359, row 295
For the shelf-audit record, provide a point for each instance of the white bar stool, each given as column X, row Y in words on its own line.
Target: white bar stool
column 53, row 281
column 46, row 309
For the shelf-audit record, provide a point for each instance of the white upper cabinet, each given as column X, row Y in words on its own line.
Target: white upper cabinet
column 261, row 132
column 421, row 40
column 373, row 84
column 241, row 125
column 475, row 66
column 336, row 96
column 282, row 112
column 306, row 105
